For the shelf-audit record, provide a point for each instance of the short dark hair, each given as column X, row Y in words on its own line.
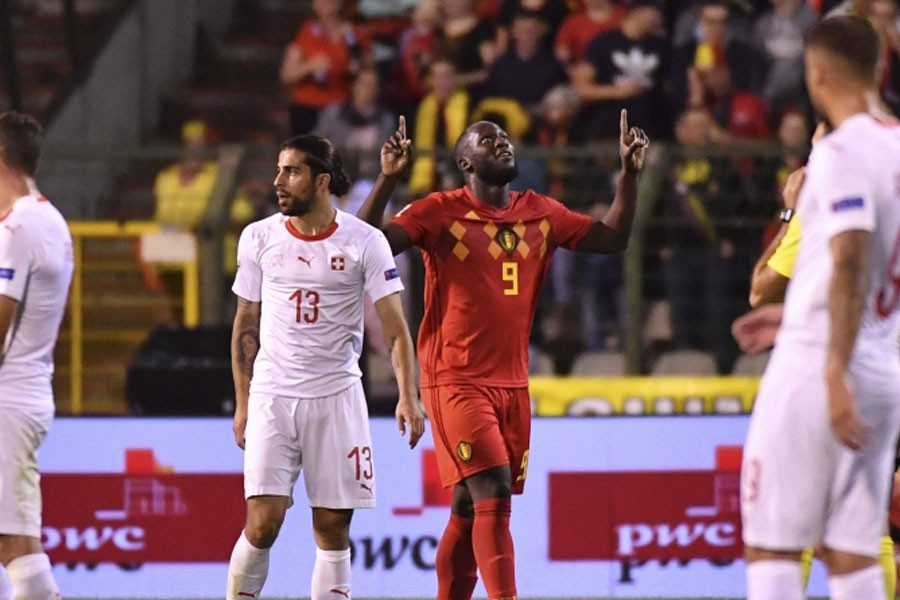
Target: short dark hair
column 322, row 157
column 850, row 39
column 20, row 142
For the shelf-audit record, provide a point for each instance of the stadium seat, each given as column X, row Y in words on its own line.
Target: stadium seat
column 539, row 363
column 657, row 323
column 685, row 362
column 610, row 364
column 750, row 364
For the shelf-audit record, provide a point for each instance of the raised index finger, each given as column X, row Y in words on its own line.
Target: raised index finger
column 623, row 122
column 402, row 127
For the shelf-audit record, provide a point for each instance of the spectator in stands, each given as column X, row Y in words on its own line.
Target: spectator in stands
column 710, row 48
column 625, row 67
column 580, row 28
column 360, row 125
column 319, row 62
column 441, row 118
column 414, row 55
column 856, row 8
column 703, row 261
column 739, row 114
column 777, row 43
column 584, row 295
column 183, row 190
column 467, row 41
column 793, row 138
column 883, row 15
column 551, row 12
column 527, row 70
column 685, row 29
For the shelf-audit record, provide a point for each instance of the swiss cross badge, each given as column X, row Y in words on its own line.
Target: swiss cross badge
column 337, row 263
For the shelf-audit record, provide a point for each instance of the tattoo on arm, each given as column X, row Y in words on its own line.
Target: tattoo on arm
column 248, row 348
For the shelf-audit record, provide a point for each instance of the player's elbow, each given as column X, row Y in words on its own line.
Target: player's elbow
column 756, row 298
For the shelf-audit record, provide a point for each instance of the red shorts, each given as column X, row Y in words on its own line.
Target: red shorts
column 478, row 427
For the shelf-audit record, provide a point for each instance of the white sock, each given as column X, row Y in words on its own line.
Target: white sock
column 247, row 570
column 775, row 580
column 331, row 575
column 31, row 578
column 5, row 585
column 865, row 584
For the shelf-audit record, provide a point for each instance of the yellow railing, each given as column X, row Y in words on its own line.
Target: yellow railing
column 83, row 230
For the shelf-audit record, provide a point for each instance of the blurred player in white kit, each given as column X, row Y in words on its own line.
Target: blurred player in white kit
column 825, row 424
column 297, row 336
column 36, row 264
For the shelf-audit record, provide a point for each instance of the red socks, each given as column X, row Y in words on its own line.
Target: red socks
column 493, row 547
column 455, row 561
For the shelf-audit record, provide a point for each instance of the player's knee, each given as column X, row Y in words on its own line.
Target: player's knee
column 461, row 502
column 15, row 546
column 491, row 483
column 262, row 531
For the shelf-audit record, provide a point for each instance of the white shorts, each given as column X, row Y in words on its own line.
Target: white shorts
column 21, row 434
column 327, row 438
column 800, row 486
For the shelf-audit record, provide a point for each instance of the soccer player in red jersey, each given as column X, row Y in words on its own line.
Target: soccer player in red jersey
column 487, row 251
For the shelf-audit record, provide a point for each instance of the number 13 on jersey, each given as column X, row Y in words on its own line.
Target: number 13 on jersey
column 511, row 276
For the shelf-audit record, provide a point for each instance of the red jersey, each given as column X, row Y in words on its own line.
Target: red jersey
column 313, row 42
column 483, row 272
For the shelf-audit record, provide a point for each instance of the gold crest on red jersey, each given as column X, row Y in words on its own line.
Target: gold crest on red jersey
column 464, row 451
column 508, row 239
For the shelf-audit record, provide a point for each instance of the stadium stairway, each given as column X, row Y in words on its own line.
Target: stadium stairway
column 235, row 87
column 42, row 51
column 119, row 311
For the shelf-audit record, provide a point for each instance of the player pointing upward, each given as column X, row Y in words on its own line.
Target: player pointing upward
column 487, row 250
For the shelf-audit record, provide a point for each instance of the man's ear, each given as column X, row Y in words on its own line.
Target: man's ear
column 464, row 165
column 323, row 177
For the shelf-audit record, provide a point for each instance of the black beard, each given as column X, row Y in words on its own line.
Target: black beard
column 298, row 205
column 499, row 175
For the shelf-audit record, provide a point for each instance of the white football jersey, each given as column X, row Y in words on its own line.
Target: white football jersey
column 311, row 289
column 852, row 183
column 36, row 264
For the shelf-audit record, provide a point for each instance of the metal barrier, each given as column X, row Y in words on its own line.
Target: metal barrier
column 128, row 230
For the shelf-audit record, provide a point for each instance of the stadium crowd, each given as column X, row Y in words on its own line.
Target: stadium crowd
column 712, row 76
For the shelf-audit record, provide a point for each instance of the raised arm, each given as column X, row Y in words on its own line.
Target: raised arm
column 395, row 155
column 610, row 233
column 244, row 348
column 768, row 285
column 397, row 338
column 846, row 299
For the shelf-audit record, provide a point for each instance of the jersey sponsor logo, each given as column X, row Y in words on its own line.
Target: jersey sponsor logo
column 344, row 593
column 391, row 274
column 7, row 273
column 307, row 261
column 338, row 263
column 464, row 451
column 847, row 204
column 508, row 239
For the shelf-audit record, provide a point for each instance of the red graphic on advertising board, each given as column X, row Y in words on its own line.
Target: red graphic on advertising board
column 146, row 514
column 434, row 494
column 648, row 515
